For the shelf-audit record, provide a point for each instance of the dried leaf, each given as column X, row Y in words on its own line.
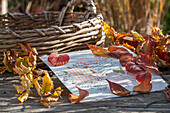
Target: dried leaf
column 37, row 86
column 18, row 71
column 126, row 58
column 146, row 61
column 98, row 51
column 110, row 32
column 117, row 89
column 57, row 92
column 25, row 47
column 3, row 69
column 132, row 68
column 24, row 96
column 25, row 82
column 20, row 89
column 51, row 99
column 44, row 103
column 142, row 76
column 119, row 71
column 143, row 87
column 157, row 34
column 117, row 51
column 137, row 36
column 147, row 46
column 12, row 56
column 47, row 85
column 34, row 50
column 77, row 98
column 24, row 68
column 39, row 72
column 129, row 47
column 32, row 59
column 120, row 36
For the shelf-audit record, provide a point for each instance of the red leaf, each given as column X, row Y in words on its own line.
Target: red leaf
column 163, row 56
column 117, row 52
column 132, row 68
column 77, row 98
column 117, row 89
column 56, row 60
column 98, row 51
column 140, row 77
column 147, row 62
column 125, row 58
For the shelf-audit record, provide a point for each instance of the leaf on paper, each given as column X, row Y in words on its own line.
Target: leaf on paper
column 142, row 76
column 132, row 68
column 119, row 71
column 125, row 58
column 117, row 89
column 143, row 87
column 47, row 85
column 20, row 89
column 146, row 61
column 24, row 96
column 3, row 69
column 77, row 98
column 110, row 32
column 59, row 60
column 117, row 52
column 98, row 51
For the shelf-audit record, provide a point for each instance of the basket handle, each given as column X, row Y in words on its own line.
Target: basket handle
column 70, row 7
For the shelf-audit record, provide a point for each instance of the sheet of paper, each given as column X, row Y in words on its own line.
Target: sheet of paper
column 89, row 72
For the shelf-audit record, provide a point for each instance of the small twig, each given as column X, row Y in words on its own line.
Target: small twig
column 152, row 103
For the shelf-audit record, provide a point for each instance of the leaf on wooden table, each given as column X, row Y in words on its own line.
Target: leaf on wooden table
column 44, row 103
column 20, row 89
column 98, row 51
column 37, row 86
column 32, row 59
column 25, row 82
column 18, row 71
column 25, row 47
column 77, row 98
column 3, row 69
column 117, row 89
column 47, row 85
column 24, row 96
column 6, row 63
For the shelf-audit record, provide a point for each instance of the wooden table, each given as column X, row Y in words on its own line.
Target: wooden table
column 155, row 101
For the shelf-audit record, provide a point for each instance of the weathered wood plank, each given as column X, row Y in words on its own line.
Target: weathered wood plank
column 137, row 103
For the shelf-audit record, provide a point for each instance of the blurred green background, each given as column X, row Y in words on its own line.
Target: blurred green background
column 122, row 15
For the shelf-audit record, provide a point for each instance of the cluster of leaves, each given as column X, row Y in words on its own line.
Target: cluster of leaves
column 139, row 67
column 156, row 44
column 30, row 76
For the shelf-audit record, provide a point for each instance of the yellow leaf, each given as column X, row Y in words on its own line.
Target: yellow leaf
column 47, row 85
column 44, row 103
column 37, row 86
column 19, row 88
column 6, row 63
column 137, row 36
column 108, row 30
column 25, row 82
column 24, row 96
column 57, row 92
column 157, row 33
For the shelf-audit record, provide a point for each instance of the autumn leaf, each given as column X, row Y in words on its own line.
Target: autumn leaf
column 142, row 76
column 77, row 98
column 3, row 69
column 129, row 47
column 147, row 46
column 137, row 36
column 120, row 36
column 32, row 59
column 126, row 58
column 18, row 71
column 47, row 85
column 117, row 89
column 24, row 96
column 147, row 62
column 157, row 34
column 98, row 51
column 25, row 82
column 119, row 71
column 20, row 89
column 110, row 32
column 143, row 87
column 117, row 51
column 57, row 92
column 37, row 86
column 44, row 103
column 132, row 68
column 25, row 47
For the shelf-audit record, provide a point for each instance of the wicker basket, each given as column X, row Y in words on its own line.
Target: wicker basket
column 52, row 31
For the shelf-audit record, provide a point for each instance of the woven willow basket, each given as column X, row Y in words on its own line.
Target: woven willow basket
column 49, row 32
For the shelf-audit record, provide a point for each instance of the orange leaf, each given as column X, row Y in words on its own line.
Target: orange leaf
column 98, row 51
column 117, row 89
column 77, row 98
column 143, row 87
column 121, row 35
column 25, row 47
column 140, row 77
